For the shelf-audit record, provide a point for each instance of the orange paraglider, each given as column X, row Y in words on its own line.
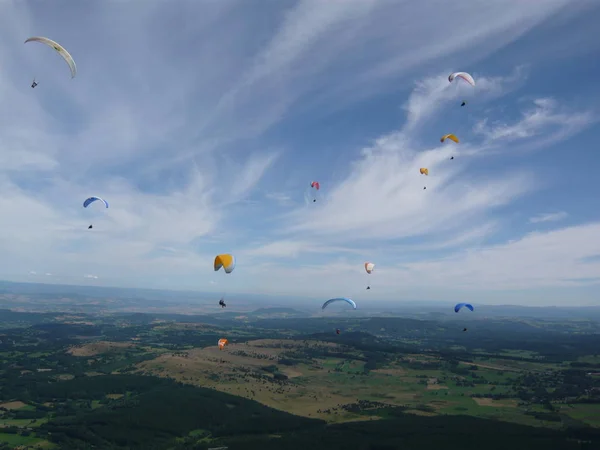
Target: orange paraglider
column 222, row 343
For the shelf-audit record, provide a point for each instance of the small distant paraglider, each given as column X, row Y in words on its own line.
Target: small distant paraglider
column 464, row 76
column 452, row 137
column 369, row 266
column 59, row 49
column 91, row 200
column 424, row 171
column 222, row 303
column 225, row 261
column 314, row 190
column 339, row 299
column 460, row 306
column 222, row 343
column 337, row 331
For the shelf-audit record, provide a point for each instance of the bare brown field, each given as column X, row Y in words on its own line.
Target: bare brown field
column 436, row 387
column 114, row 396
column 311, row 389
column 12, row 405
column 496, row 403
column 97, row 348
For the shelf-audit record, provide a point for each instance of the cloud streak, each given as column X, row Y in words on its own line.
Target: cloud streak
column 549, row 217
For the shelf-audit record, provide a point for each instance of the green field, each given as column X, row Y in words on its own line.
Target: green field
column 140, row 383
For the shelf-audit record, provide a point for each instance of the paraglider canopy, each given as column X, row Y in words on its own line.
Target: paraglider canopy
column 369, row 266
column 449, row 136
column 459, row 306
column 91, row 200
column 59, row 49
column 226, row 261
column 424, row 171
column 462, row 75
column 339, row 299
column 222, row 343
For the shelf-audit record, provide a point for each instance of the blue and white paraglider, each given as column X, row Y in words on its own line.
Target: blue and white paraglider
column 91, row 200
column 339, row 299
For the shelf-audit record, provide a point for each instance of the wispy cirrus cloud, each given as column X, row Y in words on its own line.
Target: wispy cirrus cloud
column 549, row 217
column 546, row 121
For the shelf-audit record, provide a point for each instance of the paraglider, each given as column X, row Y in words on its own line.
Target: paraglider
column 222, row 343
column 449, row 136
column 59, row 49
column 369, row 266
column 424, row 171
column 91, row 200
column 337, row 331
column 459, row 306
column 222, row 303
column 316, row 186
column 462, row 75
column 226, row 261
column 339, row 299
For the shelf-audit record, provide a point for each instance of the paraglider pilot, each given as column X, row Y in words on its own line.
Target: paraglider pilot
column 337, row 331
column 34, row 84
column 222, row 303
column 90, row 227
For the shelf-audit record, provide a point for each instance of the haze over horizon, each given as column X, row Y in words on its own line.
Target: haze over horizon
column 203, row 126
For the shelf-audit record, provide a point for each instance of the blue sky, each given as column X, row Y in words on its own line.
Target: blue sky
column 203, row 124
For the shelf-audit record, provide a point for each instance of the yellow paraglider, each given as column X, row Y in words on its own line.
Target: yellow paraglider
column 226, row 261
column 424, row 171
column 222, row 343
column 449, row 136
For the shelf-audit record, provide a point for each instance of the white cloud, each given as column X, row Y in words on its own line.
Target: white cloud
column 546, row 121
column 565, row 258
column 549, row 217
column 383, row 198
column 95, row 277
